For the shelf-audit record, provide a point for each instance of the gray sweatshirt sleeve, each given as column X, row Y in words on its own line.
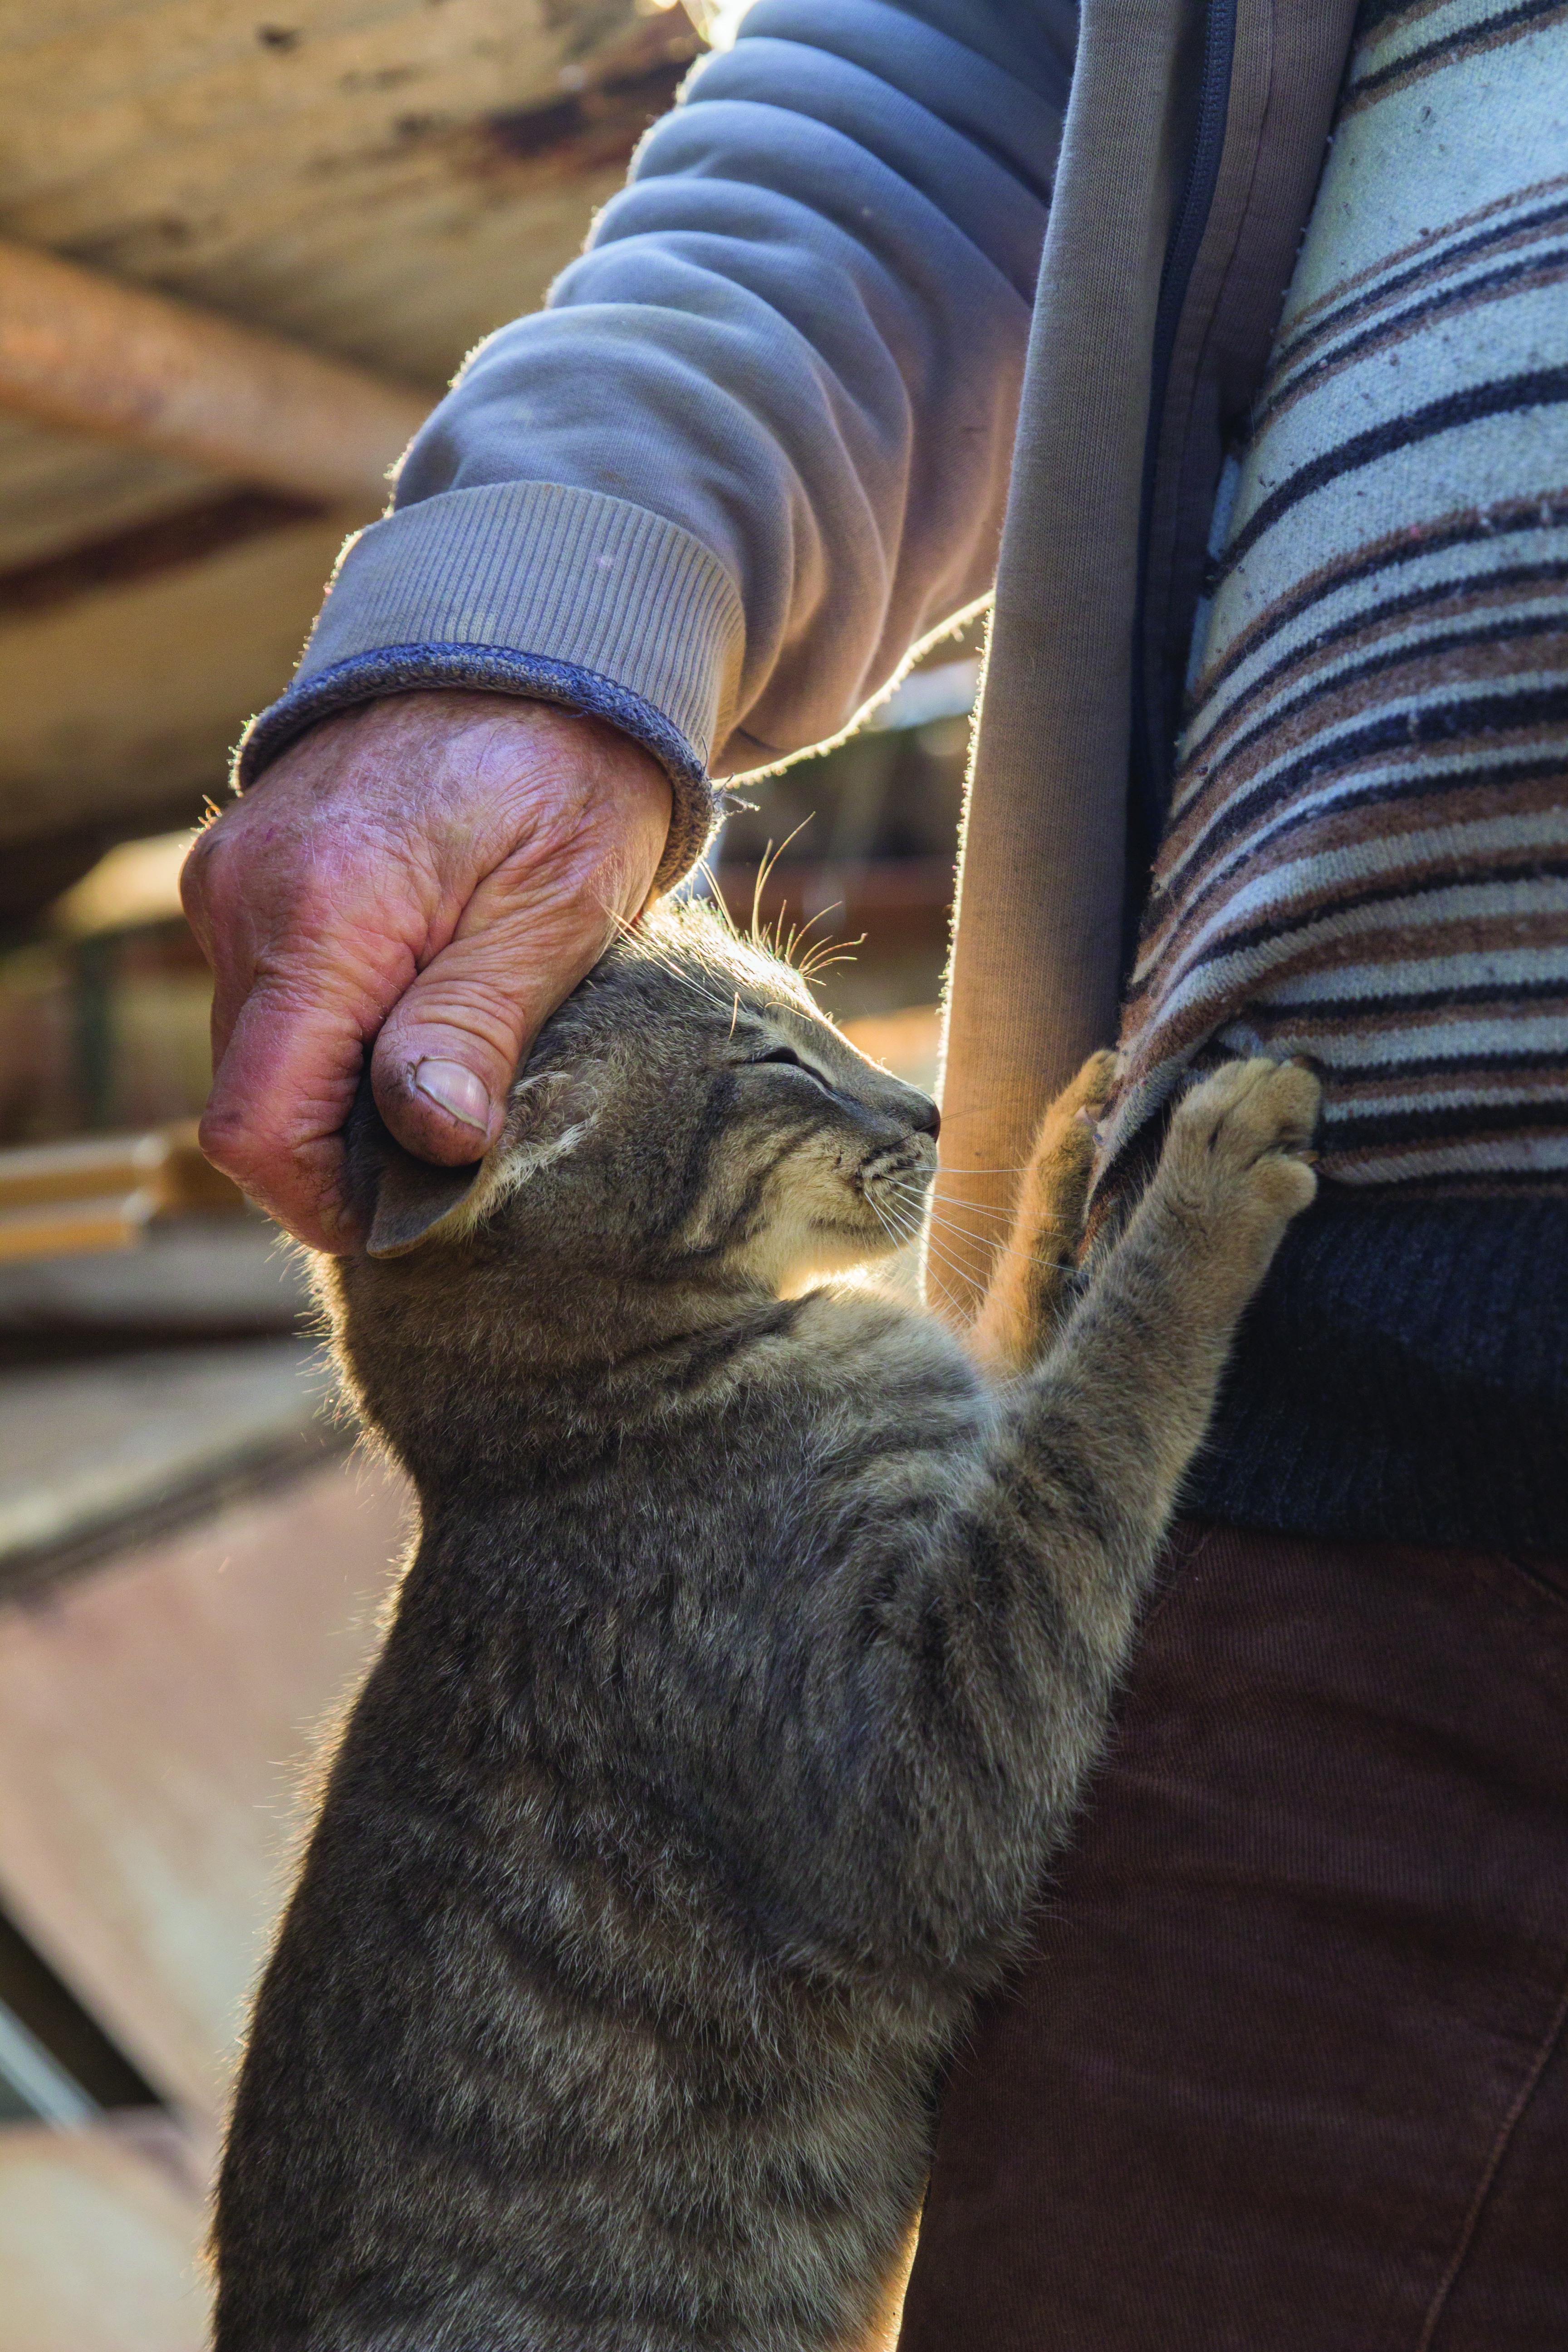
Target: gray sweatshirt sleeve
column 756, row 444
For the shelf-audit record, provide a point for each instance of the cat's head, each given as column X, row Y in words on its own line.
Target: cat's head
column 688, row 1113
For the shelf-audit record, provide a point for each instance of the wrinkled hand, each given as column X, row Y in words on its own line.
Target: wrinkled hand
column 441, row 869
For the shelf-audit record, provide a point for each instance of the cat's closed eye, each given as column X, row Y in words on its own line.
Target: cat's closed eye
column 785, row 1056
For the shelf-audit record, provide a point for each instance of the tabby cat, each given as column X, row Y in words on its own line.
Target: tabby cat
column 748, row 1668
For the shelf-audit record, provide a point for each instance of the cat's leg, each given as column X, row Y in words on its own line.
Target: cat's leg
column 978, row 1668
column 1150, row 1337
column 1029, row 1291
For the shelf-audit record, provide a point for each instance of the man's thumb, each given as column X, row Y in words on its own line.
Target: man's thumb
column 450, row 1047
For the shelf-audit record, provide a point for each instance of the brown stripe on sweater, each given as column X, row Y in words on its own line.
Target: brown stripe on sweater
column 1382, row 19
column 1515, row 764
column 1506, row 226
column 1260, row 740
column 1389, row 1014
column 1518, row 1184
column 1259, row 735
column 1370, row 768
column 1492, row 1111
column 1528, row 1080
column 1513, row 588
column 1318, row 931
column 1497, row 32
column 1463, row 527
column 1508, row 653
column 1541, row 262
column 1394, row 887
column 1395, row 925
column 1365, row 1132
column 1473, row 404
column 1431, row 245
column 1443, row 805
column 1433, row 937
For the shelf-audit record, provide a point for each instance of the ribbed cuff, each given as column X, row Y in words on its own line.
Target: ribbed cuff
column 563, row 595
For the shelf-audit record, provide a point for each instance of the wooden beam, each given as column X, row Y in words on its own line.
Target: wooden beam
column 156, row 1721
column 167, row 541
column 80, row 350
column 101, row 1193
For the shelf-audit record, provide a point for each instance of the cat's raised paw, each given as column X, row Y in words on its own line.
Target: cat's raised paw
column 1090, row 1091
column 1253, row 1121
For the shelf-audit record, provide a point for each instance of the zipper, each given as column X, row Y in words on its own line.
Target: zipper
column 1148, row 777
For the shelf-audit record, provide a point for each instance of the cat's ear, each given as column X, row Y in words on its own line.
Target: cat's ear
column 403, row 1200
column 400, row 1199
column 546, row 1118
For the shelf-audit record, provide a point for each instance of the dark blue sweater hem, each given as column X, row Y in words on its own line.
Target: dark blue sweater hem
column 1403, row 1377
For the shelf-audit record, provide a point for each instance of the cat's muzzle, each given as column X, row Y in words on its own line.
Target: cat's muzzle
column 907, row 1168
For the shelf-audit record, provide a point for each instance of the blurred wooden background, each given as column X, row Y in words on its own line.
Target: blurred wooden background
column 242, row 250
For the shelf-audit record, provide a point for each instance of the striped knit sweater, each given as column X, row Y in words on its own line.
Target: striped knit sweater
column 1366, row 858
column 1366, row 855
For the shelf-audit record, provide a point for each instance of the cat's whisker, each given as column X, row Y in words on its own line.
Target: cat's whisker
column 905, row 1226
column 693, row 943
column 968, row 1274
column 949, row 1297
column 989, row 1244
column 921, row 1229
column 970, row 1207
column 886, row 1211
column 640, row 941
column 899, row 1239
column 977, row 1207
column 715, row 899
column 769, row 858
column 827, row 953
column 941, row 1206
column 909, row 1232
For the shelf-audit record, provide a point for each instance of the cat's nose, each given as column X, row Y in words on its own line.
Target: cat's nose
column 926, row 1119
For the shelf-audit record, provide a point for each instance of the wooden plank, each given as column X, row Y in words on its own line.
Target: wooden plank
column 58, row 489
column 381, row 180
column 156, row 1721
column 341, row 184
column 82, row 349
column 213, row 1277
column 165, row 541
column 115, row 1222
column 102, row 1192
column 116, row 702
column 100, row 2242
column 96, row 1454
column 165, row 1165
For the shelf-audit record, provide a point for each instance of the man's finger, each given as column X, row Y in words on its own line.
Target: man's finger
column 279, row 1098
column 448, row 1051
column 530, row 931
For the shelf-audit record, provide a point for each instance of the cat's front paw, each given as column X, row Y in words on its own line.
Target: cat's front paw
column 1088, row 1093
column 1062, row 1160
column 1238, row 1138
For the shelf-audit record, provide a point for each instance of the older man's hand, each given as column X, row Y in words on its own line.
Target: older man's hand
column 433, row 871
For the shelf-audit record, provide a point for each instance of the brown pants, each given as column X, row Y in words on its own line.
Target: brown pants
column 1287, row 2070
